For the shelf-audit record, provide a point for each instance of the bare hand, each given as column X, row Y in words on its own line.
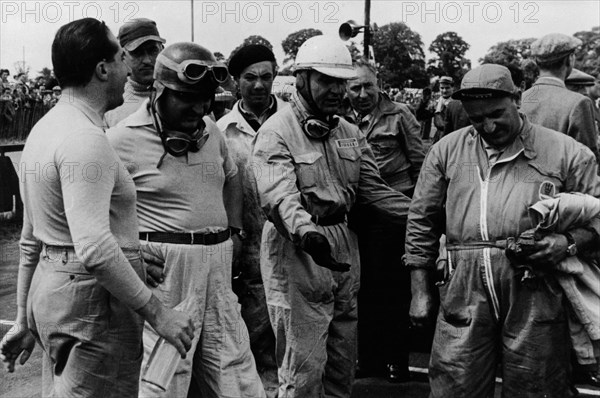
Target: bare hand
column 421, row 310
column 174, row 326
column 549, row 251
column 17, row 342
column 154, row 268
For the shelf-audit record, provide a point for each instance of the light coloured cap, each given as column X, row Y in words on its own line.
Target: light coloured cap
column 446, row 80
column 138, row 31
column 579, row 78
column 553, row 47
column 486, row 81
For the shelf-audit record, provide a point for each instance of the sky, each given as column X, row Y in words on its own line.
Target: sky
column 27, row 28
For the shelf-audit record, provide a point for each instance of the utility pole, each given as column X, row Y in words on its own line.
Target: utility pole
column 367, row 32
column 192, row 1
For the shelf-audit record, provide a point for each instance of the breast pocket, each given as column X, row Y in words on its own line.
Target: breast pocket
column 350, row 163
column 308, row 168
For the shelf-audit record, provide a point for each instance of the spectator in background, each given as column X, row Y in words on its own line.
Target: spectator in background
column 4, row 73
column 223, row 102
column 142, row 44
column 439, row 117
column 425, row 112
column 548, row 102
column 6, row 94
column 395, row 138
column 531, row 72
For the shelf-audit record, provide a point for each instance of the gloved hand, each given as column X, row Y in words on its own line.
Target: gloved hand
column 317, row 246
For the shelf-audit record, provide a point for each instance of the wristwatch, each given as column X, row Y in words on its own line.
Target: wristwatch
column 238, row 231
column 572, row 246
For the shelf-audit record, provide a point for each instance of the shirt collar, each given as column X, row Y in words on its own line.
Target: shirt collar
column 141, row 117
column 84, row 107
column 271, row 109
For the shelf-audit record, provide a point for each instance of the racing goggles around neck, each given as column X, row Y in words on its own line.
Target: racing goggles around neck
column 318, row 129
column 178, row 143
column 192, row 71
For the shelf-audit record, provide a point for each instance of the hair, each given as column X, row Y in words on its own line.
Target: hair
column 427, row 91
column 77, row 48
column 554, row 65
column 361, row 62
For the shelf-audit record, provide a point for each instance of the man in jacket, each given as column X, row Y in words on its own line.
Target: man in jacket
column 548, row 102
column 394, row 136
column 476, row 186
column 254, row 68
column 311, row 167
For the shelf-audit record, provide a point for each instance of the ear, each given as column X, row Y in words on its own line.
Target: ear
column 101, row 71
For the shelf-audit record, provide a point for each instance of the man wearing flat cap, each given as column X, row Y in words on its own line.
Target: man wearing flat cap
column 476, row 187
column 141, row 44
column 548, row 102
column 254, row 68
column 439, row 117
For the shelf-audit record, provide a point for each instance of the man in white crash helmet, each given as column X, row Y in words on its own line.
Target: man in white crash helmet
column 311, row 167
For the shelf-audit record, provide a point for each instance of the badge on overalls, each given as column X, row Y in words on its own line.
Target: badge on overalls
column 347, row 143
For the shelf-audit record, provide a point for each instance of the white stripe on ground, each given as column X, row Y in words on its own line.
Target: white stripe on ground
column 586, row 391
column 6, row 323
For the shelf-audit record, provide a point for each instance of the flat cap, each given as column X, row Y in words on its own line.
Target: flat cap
column 447, row 80
column 553, row 47
column 138, row 31
column 486, row 81
column 248, row 55
column 579, row 78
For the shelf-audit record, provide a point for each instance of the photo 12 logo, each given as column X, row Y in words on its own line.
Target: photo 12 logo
column 56, row 12
column 269, row 11
column 468, row 11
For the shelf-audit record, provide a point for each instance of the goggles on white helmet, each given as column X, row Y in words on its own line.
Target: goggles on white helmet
column 192, row 70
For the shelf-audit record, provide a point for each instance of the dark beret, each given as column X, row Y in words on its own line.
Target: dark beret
column 249, row 55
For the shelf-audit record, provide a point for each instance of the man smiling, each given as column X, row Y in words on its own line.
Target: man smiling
column 476, row 186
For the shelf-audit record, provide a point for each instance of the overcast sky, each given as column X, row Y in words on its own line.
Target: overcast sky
column 28, row 27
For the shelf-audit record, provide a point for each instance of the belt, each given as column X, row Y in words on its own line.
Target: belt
column 326, row 221
column 478, row 244
column 67, row 254
column 183, row 238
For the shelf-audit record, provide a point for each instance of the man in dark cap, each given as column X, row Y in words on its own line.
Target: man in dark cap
column 141, row 43
column 254, row 68
column 476, row 187
column 548, row 102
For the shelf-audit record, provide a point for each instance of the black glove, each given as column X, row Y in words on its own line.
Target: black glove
column 317, row 246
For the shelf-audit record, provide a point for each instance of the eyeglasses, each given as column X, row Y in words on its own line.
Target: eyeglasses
column 192, row 70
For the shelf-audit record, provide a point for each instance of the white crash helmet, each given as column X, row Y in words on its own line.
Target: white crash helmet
column 325, row 54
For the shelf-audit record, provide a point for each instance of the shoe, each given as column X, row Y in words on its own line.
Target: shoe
column 397, row 374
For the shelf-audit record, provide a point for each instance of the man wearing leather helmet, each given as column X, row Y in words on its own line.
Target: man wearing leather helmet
column 311, row 167
column 189, row 209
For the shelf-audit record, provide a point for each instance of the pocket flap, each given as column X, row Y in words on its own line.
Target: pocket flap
column 307, row 158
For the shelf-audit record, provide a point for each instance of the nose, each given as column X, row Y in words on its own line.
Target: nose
column 363, row 93
column 258, row 84
column 489, row 126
